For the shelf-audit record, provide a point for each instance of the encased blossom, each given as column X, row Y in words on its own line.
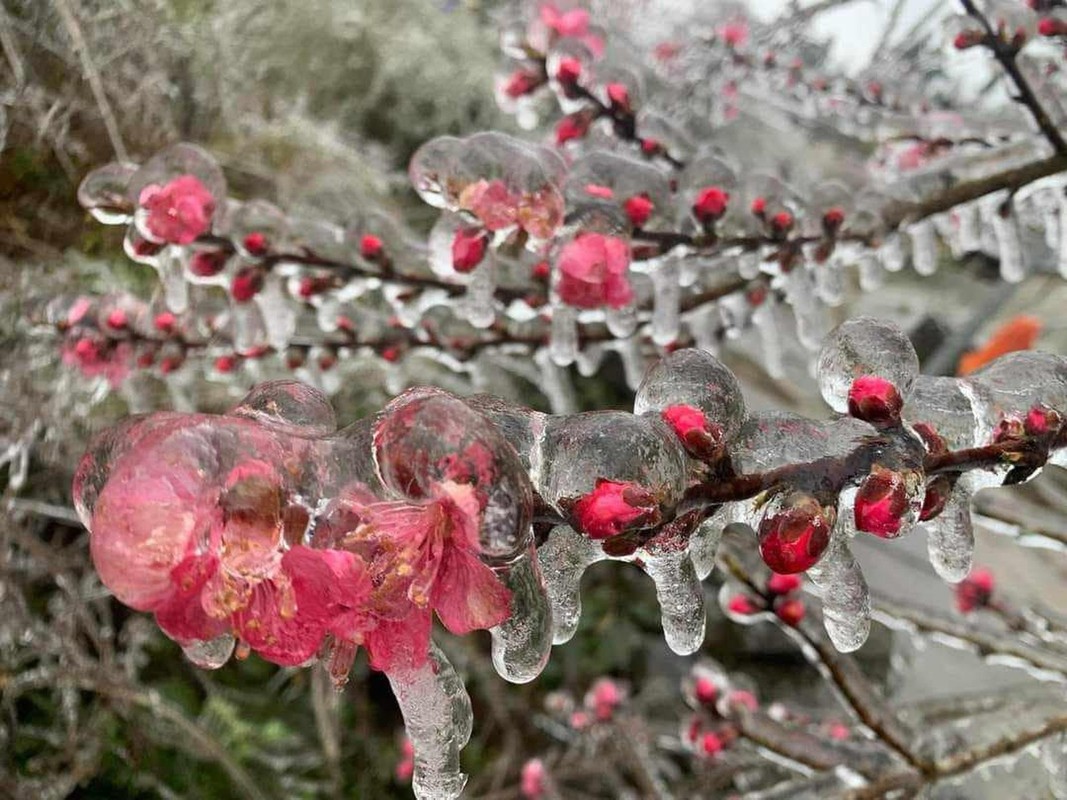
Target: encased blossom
column 613, row 507
column 178, row 212
column 592, row 272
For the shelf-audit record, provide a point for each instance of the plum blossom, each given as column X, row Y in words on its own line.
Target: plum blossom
column 592, row 272
column 614, row 507
column 178, row 212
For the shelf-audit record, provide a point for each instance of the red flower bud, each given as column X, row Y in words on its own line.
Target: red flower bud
column 370, row 247
column 710, row 204
column 782, row 223
column 651, row 147
column 256, row 243
column 619, row 97
column 164, row 322
column 793, row 538
column 574, row 126
column 207, row 263
column 468, row 248
column 1052, row 26
column 705, row 690
column 833, row 219
column 1041, row 420
column 391, row 354
column 881, row 503
column 701, row 437
column 117, row 319
column 791, row 612
column 975, row 591
column 225, row 363
column 783, row 584
column 937, row 493
column 521, row 82
column 246, row 284
column 541, row 270
column 569, row 71
column 759, row 206
column 638, row 208
column 931, row 438
column 742, row 605
column 875, row 400
column 711, row 744
column 614, row 507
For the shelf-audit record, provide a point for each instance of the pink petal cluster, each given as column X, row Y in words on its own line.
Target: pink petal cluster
column 592, row 272
column 177, row 212
column 881, row 503
column 614, row 507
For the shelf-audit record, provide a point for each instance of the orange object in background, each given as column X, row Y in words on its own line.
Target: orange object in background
column 1018, row 333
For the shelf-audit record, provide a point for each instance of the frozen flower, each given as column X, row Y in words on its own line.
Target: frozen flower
column 178, row 212
column 613, row 507
column 592, row 272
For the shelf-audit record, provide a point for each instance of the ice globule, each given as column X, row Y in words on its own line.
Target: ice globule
column 865, row 346
column 943, row 404
column 437, row 719
column 211, row 654
column 632, row 354
column 523, row 642
column 846, row 600
column 870, row 270
column 950, row 537
column 103, row 193
column 277, row 312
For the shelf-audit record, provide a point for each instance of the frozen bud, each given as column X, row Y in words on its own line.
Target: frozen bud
column 791, row 612
column 705, row 690
column 794, row 532
column 256, row 243
column 1041, row 420
column 117, row 319
column 758, row 207
column 468, row 248
column 540, row 271
column 782, row 223
column 1009, row 429
column 246, row 284
column 638, row 208
column 226, row 363
column 832, row 220
column 179, row 211
column 521, row 82
column 207, row 263
column 619, row 97
column 975, row 591
column 651, row 147
column 532, row 783
column 571, row 127
column 1052, row 26
column 783, row 584
column 165, row 322
column 875, row 400
column 710, row 204
column 569, row 71
column 938, row 491
column 592, row 271
column 613, row 507
column 865, row 347
column 370, row 247
column 702, row 439
column 882, row 503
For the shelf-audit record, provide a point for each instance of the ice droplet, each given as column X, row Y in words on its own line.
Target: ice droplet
column 555, row 384
column 565, row 556
column 437, row 719
column 621, row 322
column 810, row 317
column 765, row 321
column 830, row 281
column 248, row 328
column 633, row 360
column 923, row 247
column 970, row 234
column 523, row 642
column 704, row 543
column 681, row 598
column 211, row 654
column 846, row 601
column 666, row 301
column 950, row 537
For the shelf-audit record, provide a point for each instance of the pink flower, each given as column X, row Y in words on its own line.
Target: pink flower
column 735, row 33
column 613, row 507
column 875, row 400
column 532, row 785
column 881, row 502
column 178, row 212
column 706, row 691
column 468, row 248
column 565, row 23
column 592, row 272
column 975, row 591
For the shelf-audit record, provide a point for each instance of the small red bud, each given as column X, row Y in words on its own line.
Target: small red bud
column 791, row 612
column 881, row 502
column 117, row 319
column 742, row 605
column 937, row 493
column 875, row 400
column 541, row 271
column 246, row 284
column 619, row 97
column 256, row 243
column 931, row 438
column 710, row 204
column 783, row 584
column 705, row 690
column 165, row 322
column 638, row 208
column 782, row 222
column 370, row 247
column 569, row 70
column 702, row 438
column 793, row 538
column 468, row 248
column 975, row 591
column 759, row 206
column 207, row 263
column 225, row 363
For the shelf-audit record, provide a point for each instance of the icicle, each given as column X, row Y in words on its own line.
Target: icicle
column 946, row 228
column 800, row 294
column 748, row 264
column 633, row 360
column 563, row 337
column 276, row 308
column 666, row 300
column 590, row 359
column 1061, row 255
column 1054, row 760
column 764, row 318
column 704, row 542
column 438, row 719
column 1009, row 243
column 891, row 253
column 622, row 322
column 522, row 644
column 970, row 232
column 923, row 247
column 705, row 328
column 555, row 385
column 171, row 268
column 950, row 537
column 327, row 310
column 846, row 601
column 211, row 654
column 681, row 599
column 477, row 305
column 871, row 274
column 830, row 281
column 248, row 332
column 564, row 557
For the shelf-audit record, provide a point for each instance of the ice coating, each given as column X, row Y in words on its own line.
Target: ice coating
column 523, row 642
column 865, row 346
column 950, row 537
column 846, row 600
column 566, row 555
